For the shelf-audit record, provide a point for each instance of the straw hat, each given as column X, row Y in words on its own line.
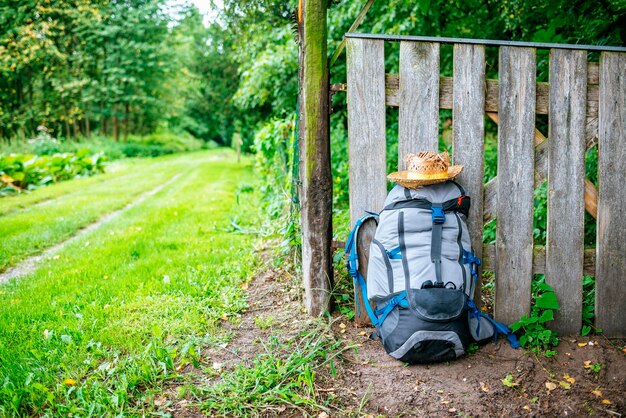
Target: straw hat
column 424, row 168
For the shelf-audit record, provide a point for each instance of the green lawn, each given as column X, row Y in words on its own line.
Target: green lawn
column 27, row 227
column 99, row 329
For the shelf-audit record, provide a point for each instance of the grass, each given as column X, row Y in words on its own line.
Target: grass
column 282, row 377
column 27, row 229
column 99, row 330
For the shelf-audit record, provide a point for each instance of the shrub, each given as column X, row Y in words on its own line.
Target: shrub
column 28, row 171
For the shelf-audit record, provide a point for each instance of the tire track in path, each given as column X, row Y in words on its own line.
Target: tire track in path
column 31, row 263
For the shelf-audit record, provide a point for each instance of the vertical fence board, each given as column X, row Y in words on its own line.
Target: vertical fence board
column 366, row 139
column 468, row 130
column 566, row 185
column 514, row 230
column 611, row 227
column 418, row 123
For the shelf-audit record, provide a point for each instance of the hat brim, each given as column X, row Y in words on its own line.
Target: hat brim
column 401, row 177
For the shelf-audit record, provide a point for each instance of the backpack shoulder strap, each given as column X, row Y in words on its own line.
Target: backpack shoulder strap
column 352, row 264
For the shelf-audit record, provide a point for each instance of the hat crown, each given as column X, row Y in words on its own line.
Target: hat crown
column 428, row 162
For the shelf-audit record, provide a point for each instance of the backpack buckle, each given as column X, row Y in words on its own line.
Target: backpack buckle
column 438, row 214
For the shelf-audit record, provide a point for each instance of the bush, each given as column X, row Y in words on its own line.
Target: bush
column 28, row 171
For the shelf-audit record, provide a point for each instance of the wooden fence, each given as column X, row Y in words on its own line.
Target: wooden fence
column 586, row 106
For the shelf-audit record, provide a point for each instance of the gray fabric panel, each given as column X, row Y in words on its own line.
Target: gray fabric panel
column 418, row 230
column 429, row 335
column 387, row 264
column 486, row 328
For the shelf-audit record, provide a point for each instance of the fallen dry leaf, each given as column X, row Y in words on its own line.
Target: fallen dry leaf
column 607, row 402
column 565, row 385
column 582, row 344
column 322, row 415
column 569, row 379
column 526, row 407
column 597, row 393
column 362, row 333
column 342, row 326
column 484, row 387
column 445, row 402
column 453, row 410
column 550, row 386
column 587, row 364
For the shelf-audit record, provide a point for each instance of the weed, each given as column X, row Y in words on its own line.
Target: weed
column 264, row 322
column 535, row 336
column 508, row 381
column 283, row 376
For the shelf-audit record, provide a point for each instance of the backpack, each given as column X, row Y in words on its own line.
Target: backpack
column 421, row 276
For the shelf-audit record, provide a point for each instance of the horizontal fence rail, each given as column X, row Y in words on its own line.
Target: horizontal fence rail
column 586, row 106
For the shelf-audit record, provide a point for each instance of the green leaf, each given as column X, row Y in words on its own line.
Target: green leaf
column 546, row 316
column 586, row 330
column 547, row 300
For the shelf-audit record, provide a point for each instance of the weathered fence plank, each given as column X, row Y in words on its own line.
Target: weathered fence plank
column 541, row 173
column 366, row 132
column 611, row 227
column 539, row 260
column 566, row 183
column 514, row 230
column 418, row 120
column 468, row 130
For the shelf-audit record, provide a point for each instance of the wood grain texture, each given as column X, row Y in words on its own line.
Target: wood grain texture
column 392, row 88
column 316, row 193
column 541, row 174
column 366, row 131
column 418, row 93
column 516, row 131
column 611, row 226
column 566, row 185
column 366, row 126
column 539, row 260
column 468, row 133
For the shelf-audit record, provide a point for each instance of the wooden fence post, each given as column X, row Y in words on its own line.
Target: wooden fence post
column 314, row 148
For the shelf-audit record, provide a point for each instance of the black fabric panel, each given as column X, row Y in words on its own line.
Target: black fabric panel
column 460, row 204
column 431, row 351
column 438, row 304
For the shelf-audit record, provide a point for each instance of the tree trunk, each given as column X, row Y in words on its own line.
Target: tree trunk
column 116, row 128
column 126, row 118
column 314, row 149
column 87, row 127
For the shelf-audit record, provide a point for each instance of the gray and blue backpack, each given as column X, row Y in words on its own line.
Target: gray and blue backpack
column 421, row 276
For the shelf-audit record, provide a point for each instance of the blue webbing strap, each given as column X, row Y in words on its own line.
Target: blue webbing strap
column 353, row 268
column 498, row 327
column 398, row 300
column 438, row 218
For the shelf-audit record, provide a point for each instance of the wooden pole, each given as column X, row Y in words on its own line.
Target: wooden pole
column 314, row 149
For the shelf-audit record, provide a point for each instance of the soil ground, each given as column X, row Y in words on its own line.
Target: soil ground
column 370, row 383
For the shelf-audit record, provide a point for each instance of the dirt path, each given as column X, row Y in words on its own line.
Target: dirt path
column 30, row 264
column 370, row 383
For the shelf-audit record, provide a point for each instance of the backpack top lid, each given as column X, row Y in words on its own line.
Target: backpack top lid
column 434, row 193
